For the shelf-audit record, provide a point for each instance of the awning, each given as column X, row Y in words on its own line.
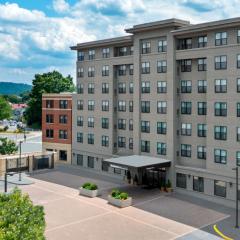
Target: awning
column 138, row 161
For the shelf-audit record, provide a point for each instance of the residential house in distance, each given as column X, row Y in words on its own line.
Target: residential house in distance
column 169, row 90
column 57, row 125
column 18, row 110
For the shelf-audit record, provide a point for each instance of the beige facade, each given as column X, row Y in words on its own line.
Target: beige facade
column 176, row 73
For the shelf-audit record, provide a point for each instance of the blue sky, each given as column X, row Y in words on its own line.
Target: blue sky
column 35, row 35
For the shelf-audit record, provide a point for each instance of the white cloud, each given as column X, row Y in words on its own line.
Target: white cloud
column 60, row 6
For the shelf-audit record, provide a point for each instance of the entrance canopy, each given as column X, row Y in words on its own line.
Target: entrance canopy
column 138, row 161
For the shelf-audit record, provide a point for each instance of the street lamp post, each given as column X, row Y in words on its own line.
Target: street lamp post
column 20, row 157
column 236, row 169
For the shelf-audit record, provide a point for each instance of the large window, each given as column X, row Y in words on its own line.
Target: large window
column 130, row 124
column 220, row 62
column 49, row 103
column 202, row 41
column 162, row 66
column 91, row 105
column 220, row 86
column 185, row 43
column 238, row 85
column 122, row 124
column 220, row 156
column 161, row 128
column 122, row 70
column 131, row 69
column 146, row 47
column 79, row 137
column 186, row 129
column 145, row 106
column 91, row 71
column 80, row 104
column 186, row 65
column 161, row 87
column 145, row 67
column 198, row 184
column 202, row 130
column 238, row 158
column 162, row 107
column 63, row 104
column 220, row 109
column 145, row 126
column 145, row 87
column 181, row 180
column 130, row 106
column 79, row 121
column 123, row 51
column 90, row 138
column 186, row 86
column 220, row 133
column 186, row 150
column 186, row 107
column 63, row 134
column 49, row 118
column 105, row 123
column 202, row 64
column 121, row 142
column 105, row 141
column 80, row 88
column 162, row 45
column 122, row 106
column 202, row 86
column 91, row 122
column 131, row 87
column 105, row 105
column 91, row 54
column 202, row 108
column 121, row 87
column 80, row 72
column 238, row 134
column 220, row 188
column 105, row 52
column 63, row 119
column 105, row 70
column 105, row 88
column 80, row 56
column 238, row 61
column 238, row 109
column 201, row 152
column 90, row 162
column 63, row 155
column 91, row 88
column 49, row 133
column 145, row 146
column 130, row 143
column 221, row 38
column 161, row 148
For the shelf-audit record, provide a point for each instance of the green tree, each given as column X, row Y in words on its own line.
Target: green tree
column 12, row 98
column 52, row 82
column 5, row 109
column 25, row 96
column 7, row 146
column 19, row 218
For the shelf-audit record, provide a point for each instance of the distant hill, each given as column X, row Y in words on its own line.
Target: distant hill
column 14, row 88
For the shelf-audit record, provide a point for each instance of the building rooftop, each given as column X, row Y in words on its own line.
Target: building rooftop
column 62, row 94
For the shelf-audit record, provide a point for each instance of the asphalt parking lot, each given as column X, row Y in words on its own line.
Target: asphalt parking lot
column 154, row 215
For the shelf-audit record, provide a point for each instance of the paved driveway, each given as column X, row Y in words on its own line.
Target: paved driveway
column 154, row 215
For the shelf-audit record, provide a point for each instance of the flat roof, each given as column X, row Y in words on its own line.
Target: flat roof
column 137, row 161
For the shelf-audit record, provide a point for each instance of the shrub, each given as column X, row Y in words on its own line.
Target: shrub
column 119, row 195
column 90, row 186
column 19, row 218
column 123, row 196
column 115, row 193
column 86, row 185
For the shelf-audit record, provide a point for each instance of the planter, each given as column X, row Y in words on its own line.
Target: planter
column 162, row 189
column 120, row 203
column 88, row 193
column 169, row 190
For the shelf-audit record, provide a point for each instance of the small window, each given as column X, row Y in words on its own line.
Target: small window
column 198, row 184
column 221, row 38
column 181, row 180
column 63, row 155
column 220, row 62
column 220, row 156
column 90, row 162
column 220, row 188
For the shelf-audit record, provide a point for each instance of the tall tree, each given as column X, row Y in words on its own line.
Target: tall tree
column 52, row 82
column 5, row 109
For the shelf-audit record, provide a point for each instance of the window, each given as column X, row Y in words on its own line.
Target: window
column 91, row 54
column 105, row 52
column 117, row 170
column 186, row 107
column 186, row 129
column 49, row 118
column 91, row 71
column 131, row 50
column 238, row 134
column 238, row 61
column 105, row 70
column 220, row 62
column 121, row 87
column 90, row 162
column 220, row 86
column 130, row 143
column 80, row 72
column 80, row 159
column 238, row 158
column 131, row 69
column 80, row 104
column 63, row 155
column 145, row 106
column 130, row 106
column 90, row 138
column 202, row 130
column 145, row 146
column 186, row 150
column 238, row 85
column 145, row 87
column 162, row 45
column 105, row 123
column 162, row 66
column 220, row 109
column 90, row 88
column 145, row 67
column 161, row 148
column 131, row 87
column 79, row 137
column 146, row 47
column 63, row 104
column 122, row 70
column 122, row 51
column 220, row 188
column 202, row 108
column 161, row 128
column 91, row 122
column 202, row 41
column 63, row 134
column 122, row 106
column 49, row 103
column 198, row 184
column 79, row 121
column 130, row 124
column 186, row 65
column 121, row 142
column 122, row 124
column 202, row 64
column 181, row 180
column 105, row 88
column 202, row 86
column 220, row 133
column 238, row 109
column 105, row 105
column 63, row 119
column 49, row 133
column 201, row 152
column 185, row 43
column 238, row 36
column 80, row 88
column 220, row 38
column 186, row 86
column 161, row 87
column 91, row 105
column 80, row 56
column 105, row 141
column 220, row 156
column 145, row 126
column 162, row 107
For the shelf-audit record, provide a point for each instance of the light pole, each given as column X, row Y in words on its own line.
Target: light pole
column 20, row 157
column 236, row 169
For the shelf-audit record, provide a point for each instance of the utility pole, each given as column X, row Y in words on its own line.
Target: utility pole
column 236, row 169
column 20, row 157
